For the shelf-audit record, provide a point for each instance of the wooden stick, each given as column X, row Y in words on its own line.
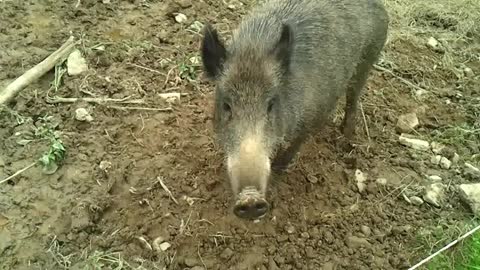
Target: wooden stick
column 141, row 108
column 94, row 100
column 33, row 74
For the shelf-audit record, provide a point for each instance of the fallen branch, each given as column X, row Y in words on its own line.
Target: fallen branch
column 18, row 172
column 166, row 189
column 365, row 121
column 94, row 100
column 445, row 248
column 398, row 77
column 7, row 94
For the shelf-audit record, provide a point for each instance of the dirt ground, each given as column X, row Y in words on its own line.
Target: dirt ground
column 106, row 196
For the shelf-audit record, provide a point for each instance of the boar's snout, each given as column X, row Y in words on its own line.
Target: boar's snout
column 252, row 208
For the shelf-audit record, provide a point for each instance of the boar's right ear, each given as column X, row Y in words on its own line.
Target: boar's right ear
column 213, row 52
column 283, row 48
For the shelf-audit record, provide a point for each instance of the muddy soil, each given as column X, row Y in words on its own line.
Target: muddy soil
column 106, row 194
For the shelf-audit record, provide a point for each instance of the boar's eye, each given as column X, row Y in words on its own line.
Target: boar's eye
column 271, row 103
column 226, row 107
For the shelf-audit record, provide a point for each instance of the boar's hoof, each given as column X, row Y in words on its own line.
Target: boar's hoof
column 251, row 209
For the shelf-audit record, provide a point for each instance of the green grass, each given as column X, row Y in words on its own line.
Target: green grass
column 465, row 255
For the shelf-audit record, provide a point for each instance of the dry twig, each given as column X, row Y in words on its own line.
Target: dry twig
column 166, row 189
column 95, row 100
column 18, row 172
column 398, row 77
column 168, row 109
column 37, row 71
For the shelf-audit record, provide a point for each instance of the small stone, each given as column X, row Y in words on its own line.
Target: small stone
column 305, row 235
column 360, row 178
column 310, row 252
column 434, row 178
column 81, row 114
column 226, row 254
column 445, row 163
column 436, row 159
column 156, row 243
column 231, row 7
column 470, row 194
column 471, row 170
column 106, row 1
column 164, row 246
column 105, row 165
column 190, row 262
column 416, row 200
column 414, row 143
column 407, row 122
column 272, row 265
column 420, row 93
column 76, row 64
column 381, row 181
column 356, row 242
column 180, row 18
column 434, row 194
column 455, row 158
column 196, row 26
column 434, row 44
column 366, row 230
column 437, row 148
column 170, row 97
column 468, row 72
column 290, row 229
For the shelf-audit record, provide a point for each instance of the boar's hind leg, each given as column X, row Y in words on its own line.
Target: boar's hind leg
column 357, row 82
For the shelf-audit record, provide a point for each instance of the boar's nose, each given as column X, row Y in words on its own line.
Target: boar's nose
column 251, row 209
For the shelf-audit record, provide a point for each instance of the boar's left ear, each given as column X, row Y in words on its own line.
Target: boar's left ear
column 283, row 48
column 213, row 52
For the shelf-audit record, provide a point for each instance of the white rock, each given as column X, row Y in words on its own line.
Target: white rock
column 437, row 147
column 81, row 114
column 170, row 97
column 433, row 43
column 164, row 246
column 469, row 168
column 180, row 18
column 445, row 163
column 361, row 187
column 360, row 178
column 436, row 159
column 231, row 7
column 470, row 194
column 195, row 60
column 414, row 143
column 416, row 200
column 420, row 93
column 468, row 72
column 76, row 64
column 434, row 178
column 157, row 242
column 381, row 181
column 434, row 194
column 407, row 122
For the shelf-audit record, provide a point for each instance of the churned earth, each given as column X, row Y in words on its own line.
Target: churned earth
column 108, row 203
